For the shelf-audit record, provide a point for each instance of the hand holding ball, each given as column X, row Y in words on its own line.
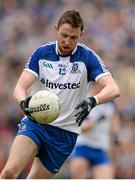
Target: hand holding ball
column 45, row 106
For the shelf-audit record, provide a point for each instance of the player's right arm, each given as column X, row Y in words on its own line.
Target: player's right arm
column 30, row 73
column 24, row 83
column 21, row 94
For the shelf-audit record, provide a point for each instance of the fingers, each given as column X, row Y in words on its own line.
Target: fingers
column 78, row 106
column 83, row 104
column 81, row 111
column 28, row 99
column 28, row 110
column 80, row 116
column 30, row 117
column 77, row 113
column 80, row 119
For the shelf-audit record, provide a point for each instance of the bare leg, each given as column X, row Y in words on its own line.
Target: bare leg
column 23, row 149
column 78, row 168
column 103, row 172
column 38, row 171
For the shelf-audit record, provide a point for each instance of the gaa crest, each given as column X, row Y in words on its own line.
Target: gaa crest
column 75, row 68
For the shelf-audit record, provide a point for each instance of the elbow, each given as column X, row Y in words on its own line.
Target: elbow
column 116, row 92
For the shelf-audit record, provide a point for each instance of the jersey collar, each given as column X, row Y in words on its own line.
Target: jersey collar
column 57, row 49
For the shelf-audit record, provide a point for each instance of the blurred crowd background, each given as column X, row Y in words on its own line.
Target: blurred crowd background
column 109, row 30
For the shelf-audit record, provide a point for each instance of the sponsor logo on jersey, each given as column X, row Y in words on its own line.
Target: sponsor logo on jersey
column 75, row 68
column 63, row 66
column 67, row 85
column 48, row 65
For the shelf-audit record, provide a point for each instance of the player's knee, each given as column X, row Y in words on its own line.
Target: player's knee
column 8, row 174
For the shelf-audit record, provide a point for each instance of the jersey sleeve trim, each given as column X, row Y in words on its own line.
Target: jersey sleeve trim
column 101, row 75
column 33, row 72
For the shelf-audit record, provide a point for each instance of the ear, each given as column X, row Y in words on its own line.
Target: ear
column 56, row 27
column 82, row 33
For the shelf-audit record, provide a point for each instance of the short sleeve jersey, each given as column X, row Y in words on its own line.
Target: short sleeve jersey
column 68, row 77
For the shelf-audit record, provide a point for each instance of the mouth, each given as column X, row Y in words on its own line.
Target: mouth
column 65, row 50
column 66, row 47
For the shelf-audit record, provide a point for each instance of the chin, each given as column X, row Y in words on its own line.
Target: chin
column 67, row 53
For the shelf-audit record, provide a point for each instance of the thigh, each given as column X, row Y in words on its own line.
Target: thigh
column 38, row 171
column 56, row 146
column 104, row 171
column 79, row 163
column 22, row 150
column 78, row 167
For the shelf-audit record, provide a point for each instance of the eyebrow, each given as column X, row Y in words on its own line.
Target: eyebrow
column 74, row 36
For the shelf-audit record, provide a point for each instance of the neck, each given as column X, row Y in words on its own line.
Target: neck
column 62, row 55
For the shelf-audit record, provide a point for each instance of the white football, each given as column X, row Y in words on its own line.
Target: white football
column 45, row 106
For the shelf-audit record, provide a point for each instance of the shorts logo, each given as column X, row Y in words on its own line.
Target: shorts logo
column 22, row 126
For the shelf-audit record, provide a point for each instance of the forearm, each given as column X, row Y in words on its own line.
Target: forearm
column 106, row 90
column 23, row 85
column 108, row 93
column 19, row 94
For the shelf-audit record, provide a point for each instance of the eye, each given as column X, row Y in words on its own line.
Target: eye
column 74, row 37
column 64, row 35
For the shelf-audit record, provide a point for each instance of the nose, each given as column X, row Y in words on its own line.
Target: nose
column 67, row 41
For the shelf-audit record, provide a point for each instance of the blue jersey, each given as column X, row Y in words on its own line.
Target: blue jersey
column 68, row 77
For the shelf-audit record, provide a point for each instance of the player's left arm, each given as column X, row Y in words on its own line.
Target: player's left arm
column 109, row 89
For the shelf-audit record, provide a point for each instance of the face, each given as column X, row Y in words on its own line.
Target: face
column 67, row 37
